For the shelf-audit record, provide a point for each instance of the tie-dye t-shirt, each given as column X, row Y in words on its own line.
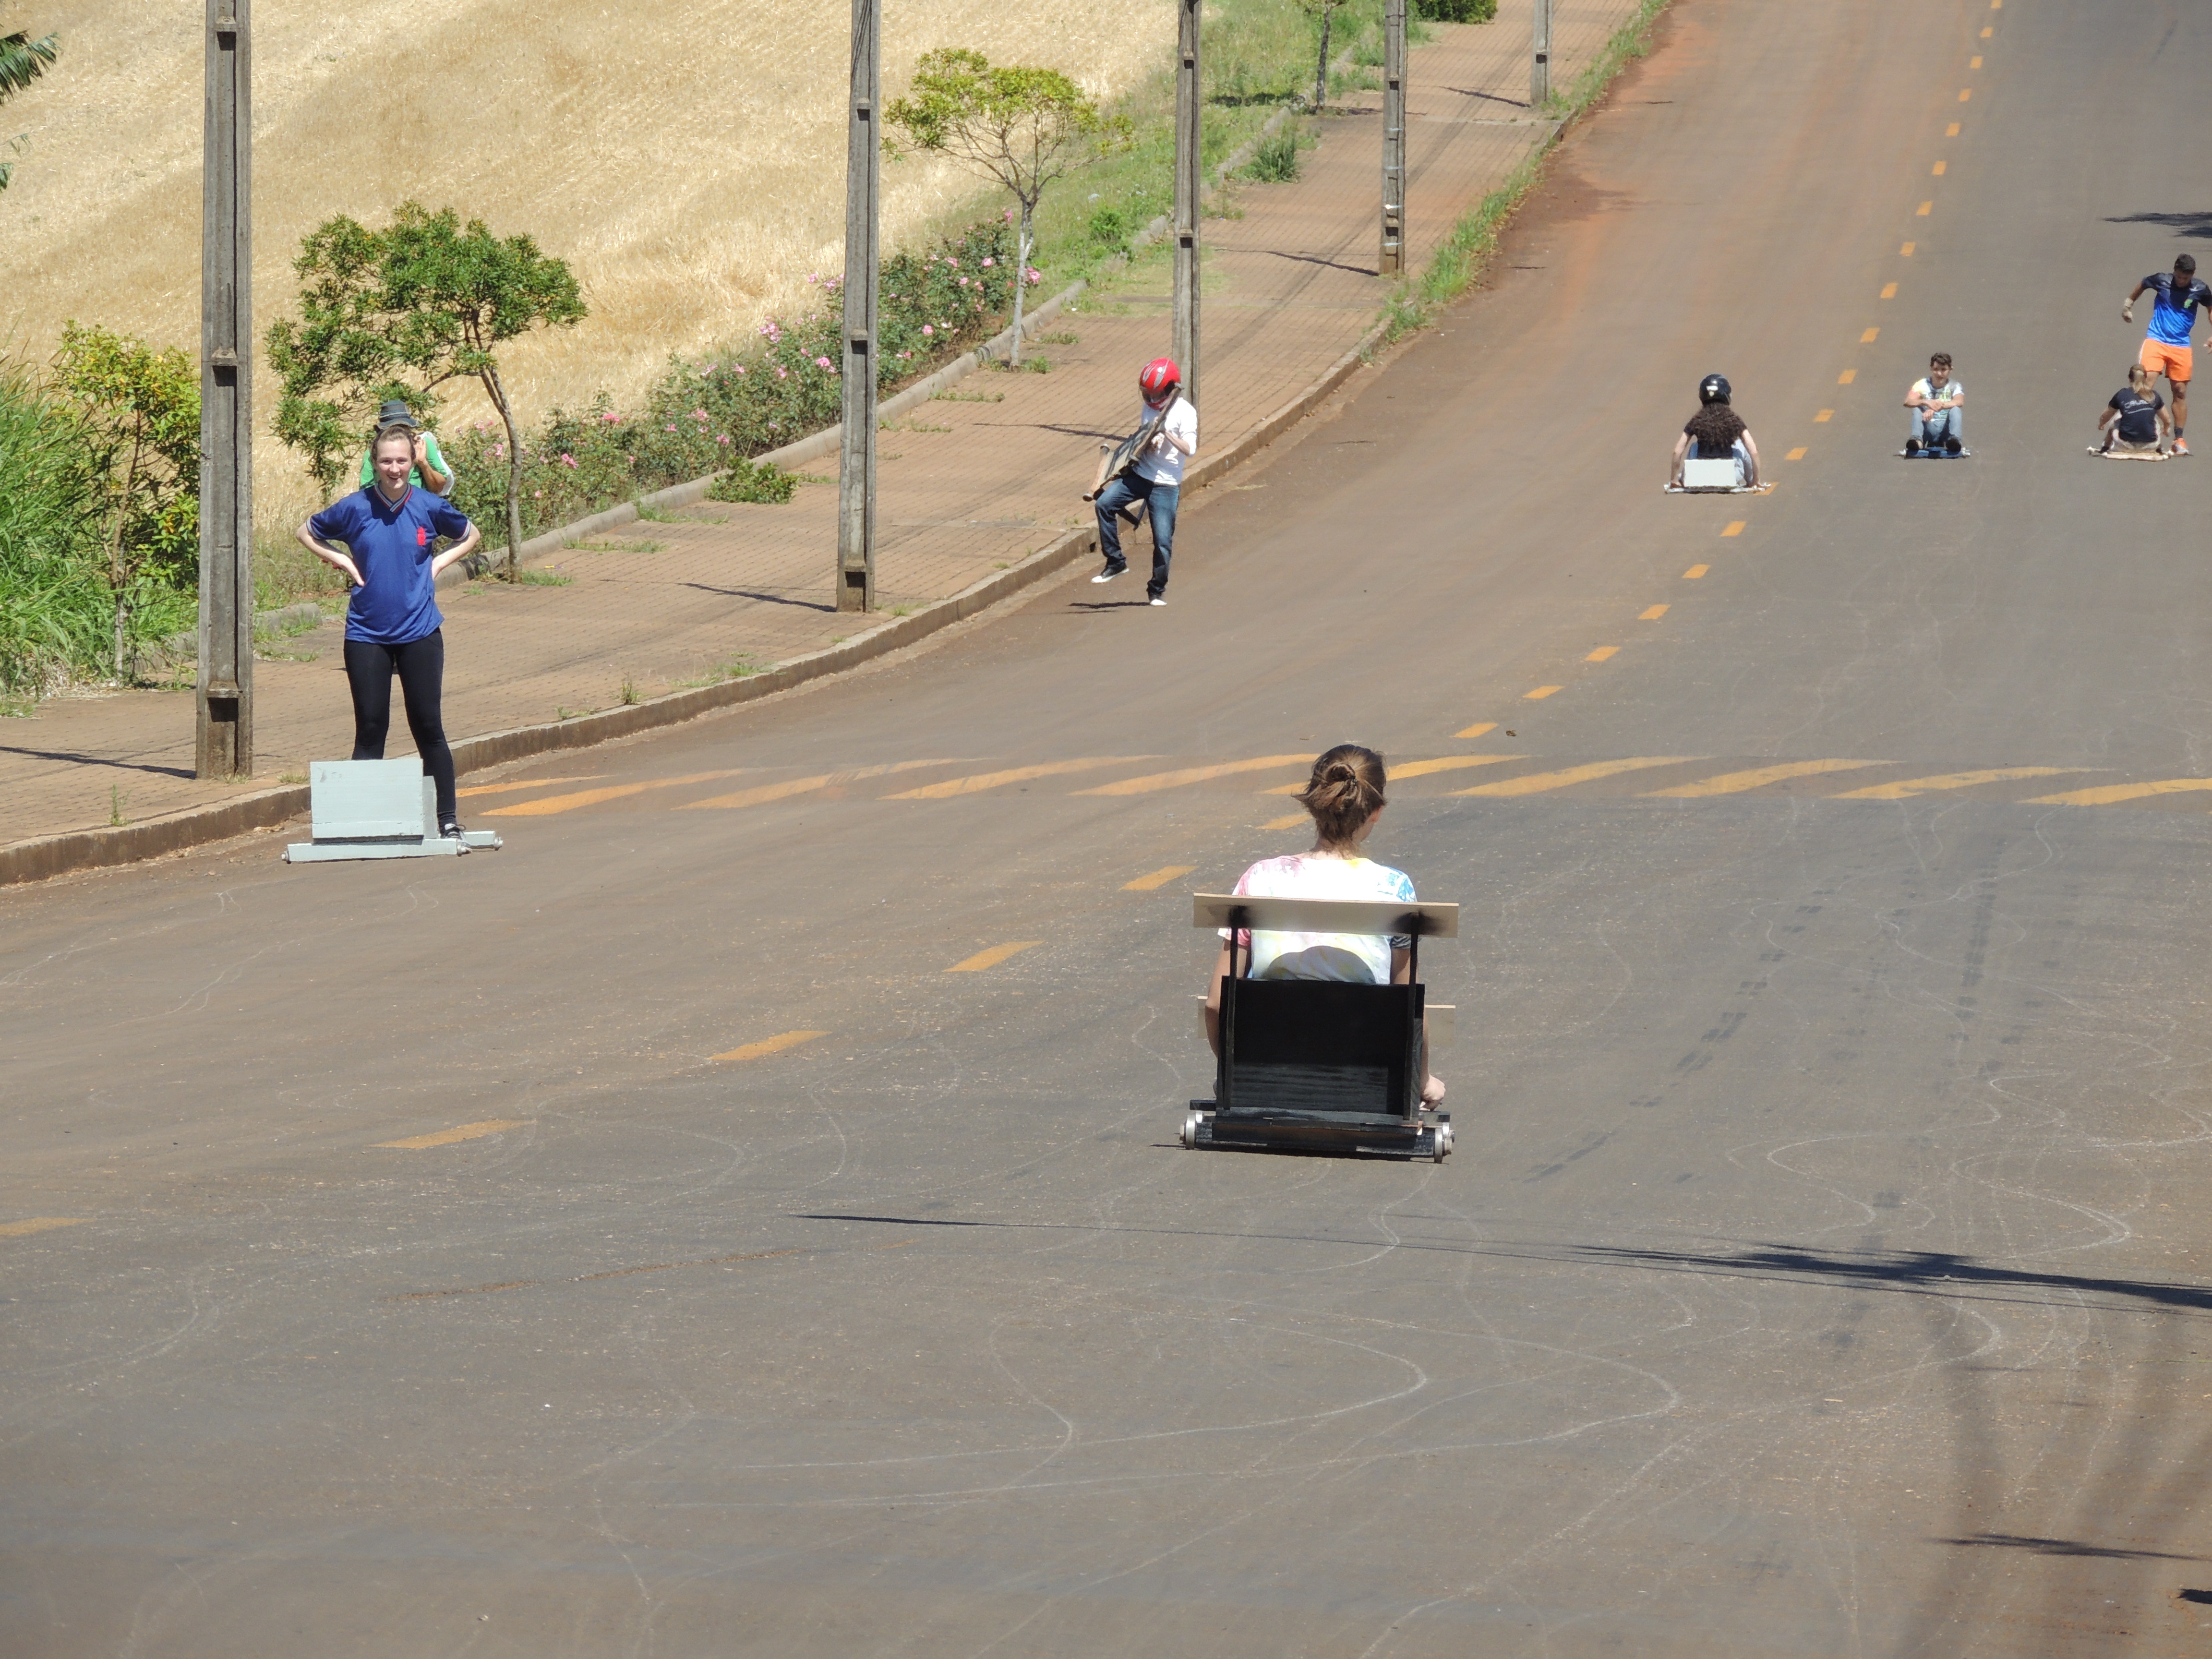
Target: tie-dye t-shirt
column 1356, row 959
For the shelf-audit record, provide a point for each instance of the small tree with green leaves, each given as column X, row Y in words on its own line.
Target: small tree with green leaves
column 1024, row 127
column 23, row 60
column 397, row 314
column 138, row 415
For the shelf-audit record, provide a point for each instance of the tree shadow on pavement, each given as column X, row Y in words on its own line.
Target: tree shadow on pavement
column 754, row 593
column 2189, row 224
column 2005, row 1541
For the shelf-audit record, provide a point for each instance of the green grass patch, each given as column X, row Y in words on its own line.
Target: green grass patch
column 748, row 481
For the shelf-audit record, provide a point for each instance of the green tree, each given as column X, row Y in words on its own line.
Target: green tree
column 1024, row 127
column 397, row 314
column 23, row 60
column 138, row 420
column 1326, row 11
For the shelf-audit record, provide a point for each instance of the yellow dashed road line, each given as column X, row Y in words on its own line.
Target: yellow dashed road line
column 769, row 791
column 1157, row 879
column 1652, row 613
column 1477, row 729
column 1734, row 783
column 41, row 1224
column 774, row 1045
column 534, row 783
column 993, row 957
column 1905, row 788
column 552, row 804
column 490, row 1125
column 2112, row 792
column 982, row 780
column 1158, row 781
column 1536, row 783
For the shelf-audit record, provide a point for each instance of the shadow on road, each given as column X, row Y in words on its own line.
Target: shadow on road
column 2189, row 224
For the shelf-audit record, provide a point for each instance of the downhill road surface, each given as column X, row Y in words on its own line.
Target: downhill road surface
column 745, row 1215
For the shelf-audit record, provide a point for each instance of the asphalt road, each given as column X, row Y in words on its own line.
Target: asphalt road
column 1820, row 1272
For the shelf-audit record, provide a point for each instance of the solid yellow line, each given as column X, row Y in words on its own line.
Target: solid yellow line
column 1197, row 775
column 769, row 791
column 774, row 1045
column 1159, row 878
column 2112, row 793
column 1539, row 693
column 1824, row 417
column 490, row 1125
column 551, row 804
column 1694, row 572
column 1285, row 823
column 983, row 780
column 1603, row 653
column 41, row 1224
column 1796, row 454
column 1537, row 782
column 534, row 783
column 1651, row 613
column 1905, row 788
column 1734, row 783
column 1847, row 377
column 1734, row 527
column 993, row 957
column 1870, row 336
column 1905, row 252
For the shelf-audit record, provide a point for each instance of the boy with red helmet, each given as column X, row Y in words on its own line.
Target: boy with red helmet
column 1156, row 478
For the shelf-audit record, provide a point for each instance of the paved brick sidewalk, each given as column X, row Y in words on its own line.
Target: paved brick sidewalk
column 971, row 481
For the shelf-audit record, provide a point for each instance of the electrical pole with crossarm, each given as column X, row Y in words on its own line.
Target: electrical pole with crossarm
column 856, row 466
column 223, row 745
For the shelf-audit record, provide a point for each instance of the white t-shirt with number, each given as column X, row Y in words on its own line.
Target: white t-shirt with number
column 1163, row 462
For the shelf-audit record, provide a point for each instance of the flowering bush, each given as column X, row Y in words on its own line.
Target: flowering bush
column 738, row 403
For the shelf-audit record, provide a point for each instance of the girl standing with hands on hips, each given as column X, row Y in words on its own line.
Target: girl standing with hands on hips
column 392, row 624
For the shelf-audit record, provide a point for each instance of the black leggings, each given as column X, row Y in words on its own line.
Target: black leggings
column 421, row 665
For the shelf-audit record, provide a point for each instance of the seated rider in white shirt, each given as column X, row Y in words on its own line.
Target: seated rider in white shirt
column 1936, row 401
column 1344, row 795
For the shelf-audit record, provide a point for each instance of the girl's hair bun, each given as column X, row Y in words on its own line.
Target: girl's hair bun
column 1346, row 790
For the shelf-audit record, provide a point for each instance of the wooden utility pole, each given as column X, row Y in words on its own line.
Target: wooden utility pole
column 1392, row 261
column 1540, row 75
column 224, row 744
column 1189, row 199
column 856, row 465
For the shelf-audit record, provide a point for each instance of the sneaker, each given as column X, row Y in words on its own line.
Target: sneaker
column 450, row 829
column 1911, row 447
column 2181, row 446
column 1156, row 599
column 1109, row 573
column 1951, row 446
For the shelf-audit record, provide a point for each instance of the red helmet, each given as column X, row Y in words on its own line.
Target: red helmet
column 1160, row 377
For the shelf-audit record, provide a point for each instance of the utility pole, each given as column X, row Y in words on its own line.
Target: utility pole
column 1190, row 200
column 1540, row 75
column 1392, row 261
column 856, row 465
column 224, row 746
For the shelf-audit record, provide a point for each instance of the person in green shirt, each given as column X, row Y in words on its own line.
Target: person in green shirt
column 430, row 471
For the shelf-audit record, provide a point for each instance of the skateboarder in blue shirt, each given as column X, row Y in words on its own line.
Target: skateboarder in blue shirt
column 2165, row 348
column 392, row 624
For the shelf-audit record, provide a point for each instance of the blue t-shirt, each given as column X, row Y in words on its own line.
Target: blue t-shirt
column 391, row 542
column 2173, row 307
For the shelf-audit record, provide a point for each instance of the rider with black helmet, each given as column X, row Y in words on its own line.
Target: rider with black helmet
column 1715, row 432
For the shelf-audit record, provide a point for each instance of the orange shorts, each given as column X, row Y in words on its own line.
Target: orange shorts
column 2171, row 360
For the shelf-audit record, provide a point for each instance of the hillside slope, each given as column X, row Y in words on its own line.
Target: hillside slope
column 686, row 158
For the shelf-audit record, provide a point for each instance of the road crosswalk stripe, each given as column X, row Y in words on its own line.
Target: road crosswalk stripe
column 983, row 780
column 552, row 804
column 1535, row 783
column 768, row 792
column 2107, row 794
column 1157, row 781
column 1734, row 783
column 1905, row 788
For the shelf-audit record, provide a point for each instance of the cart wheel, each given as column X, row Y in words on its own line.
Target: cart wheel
column 1443, row 1141
column 1190, row 1129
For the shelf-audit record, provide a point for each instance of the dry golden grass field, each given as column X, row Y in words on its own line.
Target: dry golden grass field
column 686, row 157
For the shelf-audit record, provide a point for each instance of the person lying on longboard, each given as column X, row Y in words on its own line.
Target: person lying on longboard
column 1714, row 432
column 1144, row 471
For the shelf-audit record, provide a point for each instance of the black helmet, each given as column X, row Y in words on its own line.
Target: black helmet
column 1713, row 388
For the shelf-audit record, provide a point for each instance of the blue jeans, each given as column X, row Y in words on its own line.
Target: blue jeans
column 1160, row 500
column 1933, row 430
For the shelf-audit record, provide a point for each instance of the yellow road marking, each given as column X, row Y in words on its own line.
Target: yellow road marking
column 1870, row 336
column 551, row 804
column 1965, row 93
column 1537, row 782
column 1651, row 613
column 1694, row 572
column 769, row 791
column 983, row 780
column 1936, row 172
column 534, row 783
column 1159, row 878
column 1414, row 769
column 1796, row 454
column 39, row 1223
column 490, row 1125
column 1847, row 377
column 774, row 1045
column 1976, row 63
column 1539, row 693
column 1477, row 729
column 1197, row 775
column 1824, row 417
column 1986, row 33
column 1922, row 211
column 993, row 957
column 1285, row 823
column 1734, row 527
column 1602, row 653
column 1734, row 783
column 2112, row 793
column 1905, row 788
column 1905, row 252
column 1889, row 290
